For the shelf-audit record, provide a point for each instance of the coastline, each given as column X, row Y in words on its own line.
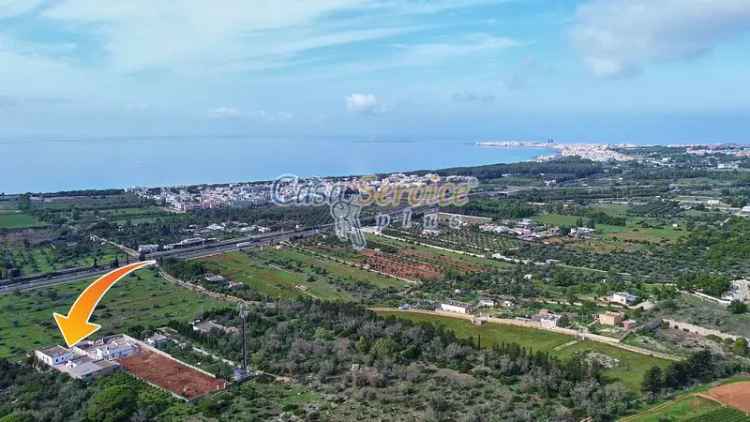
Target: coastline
column 60, row 166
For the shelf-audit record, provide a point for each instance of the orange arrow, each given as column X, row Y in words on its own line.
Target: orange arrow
column 76, row 326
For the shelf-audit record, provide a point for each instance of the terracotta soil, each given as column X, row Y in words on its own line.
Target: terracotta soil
column 171, row 375
column 736, row 395
column 401, row 267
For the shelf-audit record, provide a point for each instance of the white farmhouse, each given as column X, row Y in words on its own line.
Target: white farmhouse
column 56, row 355
column 623, row 298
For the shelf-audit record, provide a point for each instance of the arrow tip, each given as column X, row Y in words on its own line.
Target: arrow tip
column 74, row 331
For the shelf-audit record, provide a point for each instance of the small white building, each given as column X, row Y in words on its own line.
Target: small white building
column 739, row 291
column 147, row 248
column 549, row 320
column 157, row 340
column 455, row 307
column 623, row 298
column 215, row 278
column 108, row 348
column 486, row 303
column 546, row 319
column 56, row 355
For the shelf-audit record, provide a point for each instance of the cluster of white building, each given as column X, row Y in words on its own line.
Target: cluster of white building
column 183, row 199
column 209, row 197
column 89, row 359
column 525, row 229
column 593, row 152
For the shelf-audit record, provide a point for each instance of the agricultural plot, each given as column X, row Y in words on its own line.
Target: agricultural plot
column 686, row 408
column 491, row 334
column 736, row 395
column 444, row 256
column 652, row 231
column 10, row 219
column 142, row 299
column 133, row 215
column 407, row 260
column 722, row 415
column 462, row 239
column 401, row 266
column 627, row 367
column 340, row 270
column 277, row 277
column 696, row 406
column 171, row 375
column 43, row 259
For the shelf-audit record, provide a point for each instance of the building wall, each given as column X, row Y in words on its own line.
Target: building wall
column 452, row 308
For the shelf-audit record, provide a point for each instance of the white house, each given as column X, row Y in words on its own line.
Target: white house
column 546, row 319
column 53, row 356
column 107, row 348
column 549, row 320
column 623, row 298
column 486, row 303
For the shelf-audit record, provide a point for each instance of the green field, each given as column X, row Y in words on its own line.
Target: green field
column 491, row 334
column 18, row 220
column 440, row 256
column 141, row 299
column 690, row 408
column 273, row 280
column 632, row 231
column 681, row 409
column 631, row 366
column 630, row 369
column 343, row 271
column 43, row 259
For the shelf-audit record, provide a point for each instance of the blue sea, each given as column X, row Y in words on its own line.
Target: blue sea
column 58, row 165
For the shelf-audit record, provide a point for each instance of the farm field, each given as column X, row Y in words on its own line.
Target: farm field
column 632, row 231
column 693, row 408
column 42, row 259
column 630, row 368
column 276, row 277
column 142, row 299
column 448, row 259
column 10, row 219
column 735, row 394
column 171, row 375
column 491, row 334
column 341, row 270
column 683, row 409
column 631, row 365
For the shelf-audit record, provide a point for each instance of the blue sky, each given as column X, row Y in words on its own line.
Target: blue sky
column 587, row 70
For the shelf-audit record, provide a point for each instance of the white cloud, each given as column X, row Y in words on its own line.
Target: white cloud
column 225, row 113
column 259, row 115
column 143, row 34
column 471, row 44
column 363, row 104
column 272, row 117
column 472, row 97
column 618, row 37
